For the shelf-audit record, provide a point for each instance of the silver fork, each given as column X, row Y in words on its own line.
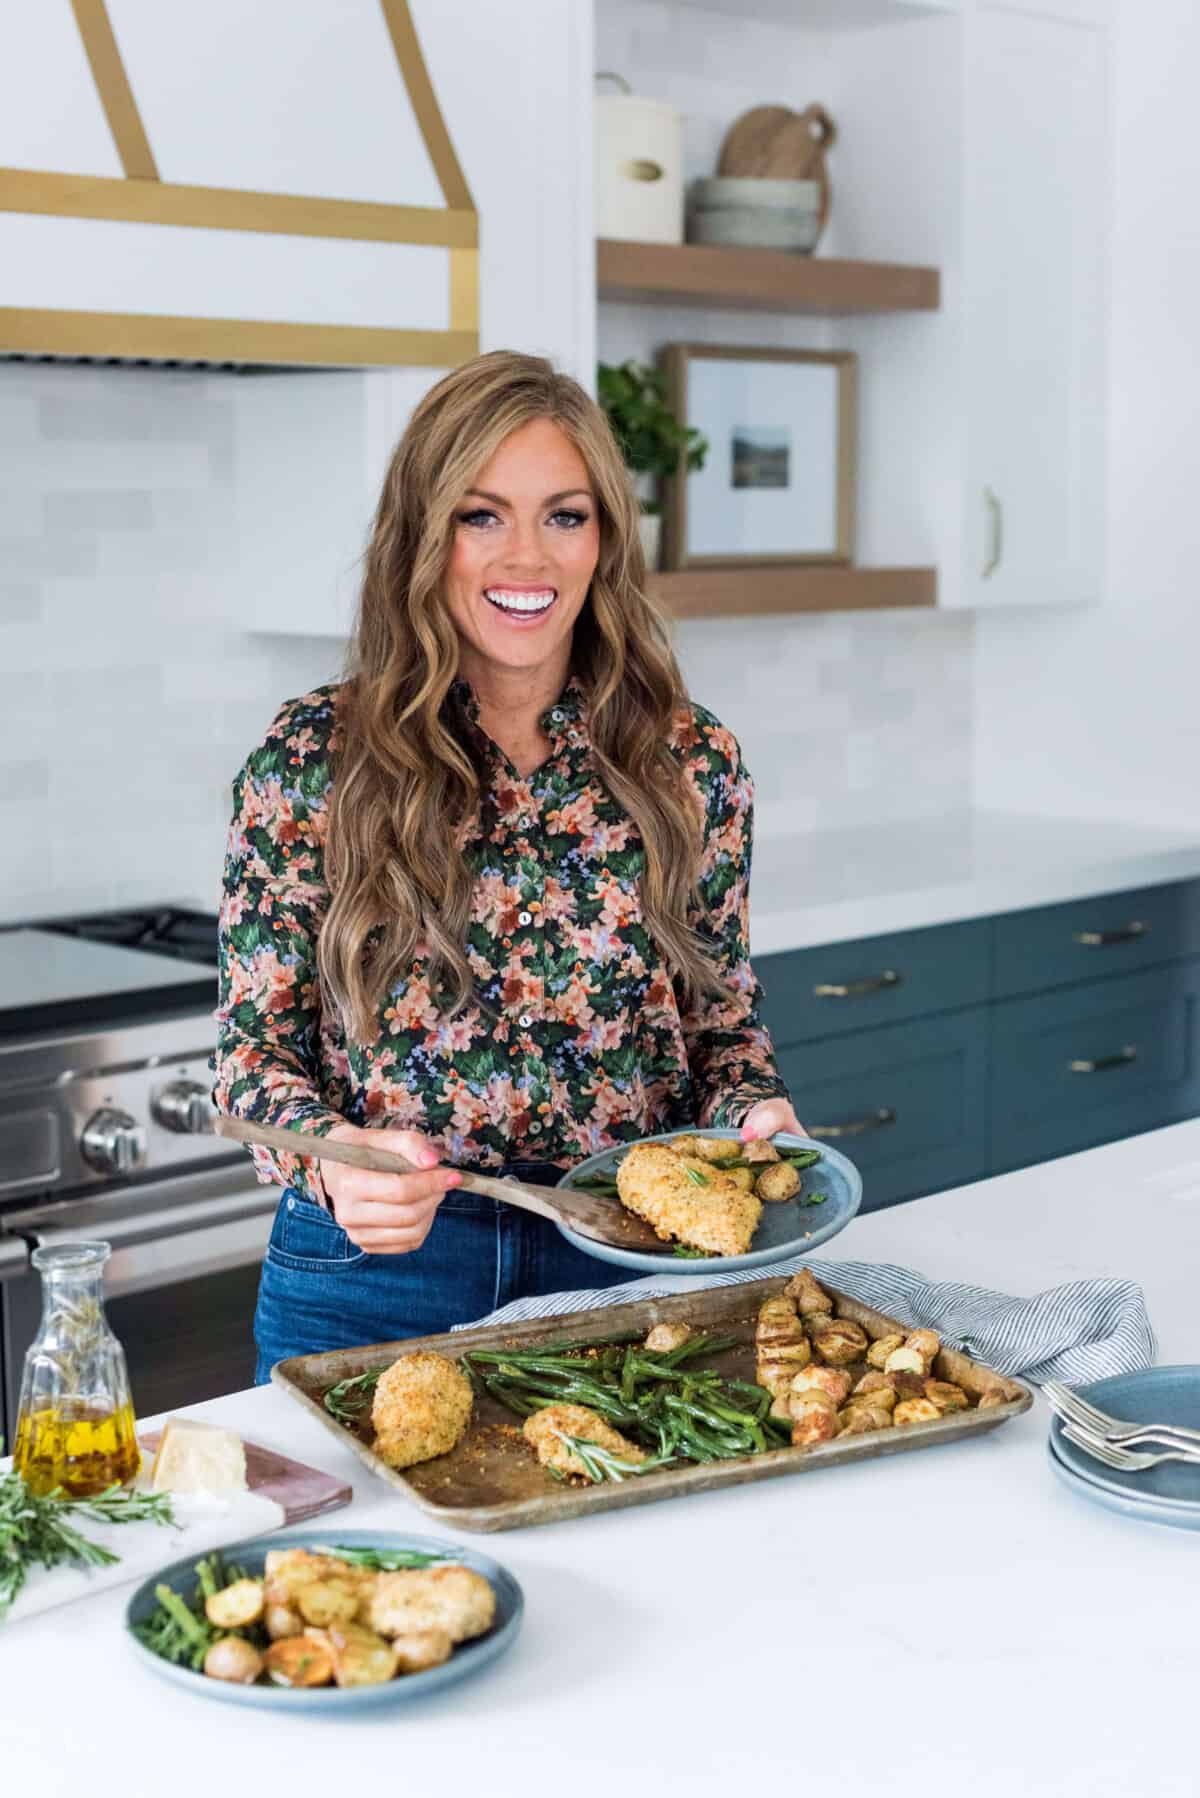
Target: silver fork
column 1124, row 1459
column 1072, row 1408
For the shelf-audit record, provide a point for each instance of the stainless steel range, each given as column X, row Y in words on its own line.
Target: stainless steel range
column 106, row 1131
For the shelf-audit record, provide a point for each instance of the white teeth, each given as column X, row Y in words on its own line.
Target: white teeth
column 519, row 602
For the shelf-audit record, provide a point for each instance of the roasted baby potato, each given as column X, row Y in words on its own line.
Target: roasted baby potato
column 881, row 1348
column 906, row 1384
column 781, row 1346
column 665, row 1337
column 778, row 1181
column 289, row 1570
column 687, row 1198
column 716, row 1148
column 906, row 1360
column 421, row 1408
column 761, row 1149
column 237, row 1605
column 302, row 1660
column 862, row 1419
column 832, row 1381
column 915, row 1410
column 234, row 1659
column 810, row 1296
column 453, row 1601
column 546, row 1428
column 328, row 1601
column 874, row 1381
column 282, row 1621
column 421, row 1649
column 814, row 1419
column 926, row 1342
column 360, row 1657
column 743, row 1177
column 946, row 1396
column 839, row 1342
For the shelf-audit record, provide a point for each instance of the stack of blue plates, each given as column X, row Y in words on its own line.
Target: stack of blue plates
column 1167, row 1494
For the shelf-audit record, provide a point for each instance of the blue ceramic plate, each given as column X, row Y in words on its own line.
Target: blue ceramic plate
column 468, row 1657
column 1168, row 1494
column 792, row 1228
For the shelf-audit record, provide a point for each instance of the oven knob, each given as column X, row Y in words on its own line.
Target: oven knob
column 185, row 1107
column 113, row 1142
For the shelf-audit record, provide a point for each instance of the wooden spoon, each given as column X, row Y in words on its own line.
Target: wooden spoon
column 584, row 1213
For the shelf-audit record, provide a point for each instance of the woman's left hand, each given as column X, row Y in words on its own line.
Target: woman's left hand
column 768, row 1116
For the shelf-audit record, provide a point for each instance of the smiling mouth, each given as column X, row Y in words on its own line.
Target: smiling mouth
column 521, row 602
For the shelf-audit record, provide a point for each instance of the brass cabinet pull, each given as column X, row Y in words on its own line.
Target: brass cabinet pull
column 1103, row 1063
column 995, row 512
column 856, row 989
column 1100, row 939
column 857, row 1126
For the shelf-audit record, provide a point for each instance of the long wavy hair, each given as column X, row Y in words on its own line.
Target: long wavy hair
column 406, row 786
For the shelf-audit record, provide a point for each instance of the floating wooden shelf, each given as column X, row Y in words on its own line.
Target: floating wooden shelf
column 692, row 274
column 737, row 592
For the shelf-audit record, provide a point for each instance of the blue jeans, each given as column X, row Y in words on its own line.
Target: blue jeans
column 318, row 1291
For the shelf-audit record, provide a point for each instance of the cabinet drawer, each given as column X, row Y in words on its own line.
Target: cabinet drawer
column 839, row 987
column 1115, row 933
column 1097, row 1062
column 906, row 1104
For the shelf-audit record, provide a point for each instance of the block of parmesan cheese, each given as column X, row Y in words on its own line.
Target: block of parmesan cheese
column 198, row 1457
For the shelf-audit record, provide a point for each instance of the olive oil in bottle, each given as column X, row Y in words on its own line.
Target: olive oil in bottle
column 75, row 1425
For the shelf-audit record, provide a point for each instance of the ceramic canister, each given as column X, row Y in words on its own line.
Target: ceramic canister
column 639, row 169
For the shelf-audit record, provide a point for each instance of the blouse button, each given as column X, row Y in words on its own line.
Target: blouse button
column 525, row 1020
column 535, row 1129
column 556, row 715
column 524, row 918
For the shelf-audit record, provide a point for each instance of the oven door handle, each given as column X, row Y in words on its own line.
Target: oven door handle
column 182, row 1241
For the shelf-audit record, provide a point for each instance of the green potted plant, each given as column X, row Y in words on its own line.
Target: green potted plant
column 653, row 443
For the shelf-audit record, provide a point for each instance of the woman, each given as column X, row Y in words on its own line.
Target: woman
column 485, row 902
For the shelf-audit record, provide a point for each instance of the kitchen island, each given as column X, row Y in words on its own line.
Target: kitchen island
column 952, row 1621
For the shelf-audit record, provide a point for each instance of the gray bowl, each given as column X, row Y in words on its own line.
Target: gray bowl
column 755, row 229
column 468, row 1657
column 760, row 192
column 792, row 1228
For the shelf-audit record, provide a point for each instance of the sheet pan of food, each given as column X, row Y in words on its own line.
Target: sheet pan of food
column 511, row 1425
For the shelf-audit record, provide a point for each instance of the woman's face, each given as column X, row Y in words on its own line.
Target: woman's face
column 525, row 548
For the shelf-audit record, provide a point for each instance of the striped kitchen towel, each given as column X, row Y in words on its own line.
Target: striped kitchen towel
column 1077, row 1332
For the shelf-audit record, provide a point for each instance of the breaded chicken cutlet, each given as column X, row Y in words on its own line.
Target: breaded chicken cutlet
column 422, row 1406
column 417, row 1600
column 688, row 1199
column 546, row 1428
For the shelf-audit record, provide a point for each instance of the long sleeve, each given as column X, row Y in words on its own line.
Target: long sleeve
column 729, row 1048
column 273, row 899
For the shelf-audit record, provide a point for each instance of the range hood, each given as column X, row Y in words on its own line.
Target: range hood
column 223, row 184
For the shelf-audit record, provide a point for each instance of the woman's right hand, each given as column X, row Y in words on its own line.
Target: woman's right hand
column 387, row 1214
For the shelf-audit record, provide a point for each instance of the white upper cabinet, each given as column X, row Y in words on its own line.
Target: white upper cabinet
column 977, row 142
column 1034, row 302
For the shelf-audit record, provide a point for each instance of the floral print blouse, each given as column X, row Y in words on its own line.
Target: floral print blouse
column 580, row 1041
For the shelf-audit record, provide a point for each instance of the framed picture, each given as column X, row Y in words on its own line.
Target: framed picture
column 777, row 483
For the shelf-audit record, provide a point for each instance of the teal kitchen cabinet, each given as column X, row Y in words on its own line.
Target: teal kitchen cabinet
column 935, row 1057
column 1091, row 1063
column 907, row 1102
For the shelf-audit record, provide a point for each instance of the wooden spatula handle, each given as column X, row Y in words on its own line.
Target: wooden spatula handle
column 377, row 1161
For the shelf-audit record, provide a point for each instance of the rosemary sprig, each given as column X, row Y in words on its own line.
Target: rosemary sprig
column 38, row 1531
column 602, row 1464
column 385, row 1560
column 695, row 1176
column 350, row 1398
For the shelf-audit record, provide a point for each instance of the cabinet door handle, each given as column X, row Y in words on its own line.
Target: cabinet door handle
column 1104, row 1063
column 1100, row 939
column 856, row 989
column 995, row 512
column 857, row 1126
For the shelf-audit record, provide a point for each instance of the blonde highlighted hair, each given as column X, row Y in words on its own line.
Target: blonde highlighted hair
column 406, row 786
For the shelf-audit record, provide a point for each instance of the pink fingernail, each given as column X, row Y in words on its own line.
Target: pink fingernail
column 427, row 1158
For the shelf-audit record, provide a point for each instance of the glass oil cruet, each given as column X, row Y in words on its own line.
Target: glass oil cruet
column 75, row 1423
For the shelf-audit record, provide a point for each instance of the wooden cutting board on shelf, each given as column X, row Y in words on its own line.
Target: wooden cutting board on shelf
column 301, row 1492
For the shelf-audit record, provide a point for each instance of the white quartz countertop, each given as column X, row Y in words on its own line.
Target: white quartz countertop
column 833, row 886
column 926, row 1623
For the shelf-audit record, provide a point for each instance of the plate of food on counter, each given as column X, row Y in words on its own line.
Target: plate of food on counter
column 721, row 1204
column 503, row 1425
column 326, row 1622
